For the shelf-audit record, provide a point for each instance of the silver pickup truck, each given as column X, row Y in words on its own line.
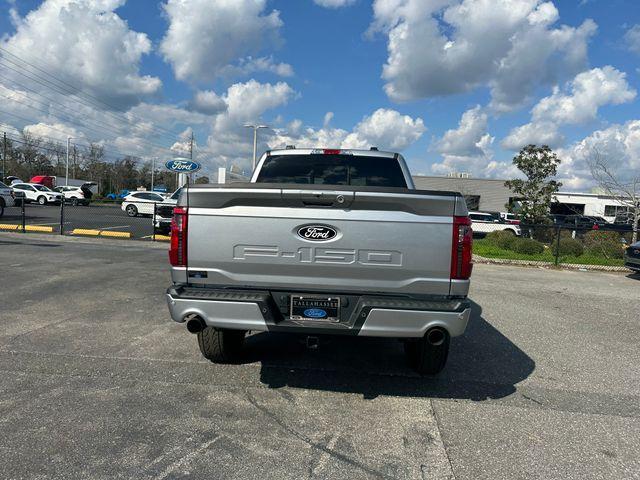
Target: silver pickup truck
column 321, row 242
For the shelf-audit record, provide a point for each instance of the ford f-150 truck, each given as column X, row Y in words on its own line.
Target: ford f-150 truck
column 322, row 242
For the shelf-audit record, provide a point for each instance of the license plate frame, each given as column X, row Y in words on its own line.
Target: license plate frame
column 309, row 308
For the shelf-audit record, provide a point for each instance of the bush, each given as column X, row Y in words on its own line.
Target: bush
column 603, row 244
column 568, row 246
column 527, row 246
column 544, row 232
column 501, row 238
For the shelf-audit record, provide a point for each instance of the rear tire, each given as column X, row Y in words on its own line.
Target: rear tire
column 425, row 358
column 132, row 210
column 221, row 346
column 74, row 202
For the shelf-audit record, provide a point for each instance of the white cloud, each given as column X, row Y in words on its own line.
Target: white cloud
column 589, row 91
column 510, row 46
column 208, row 101
column 536, row 133
column 468, row 147
column 87, row 43
column 387, row 129
column 247, row 101
column 249, row 65
column 384, row 128
column 577, row 103
column 54, row 131
column 205, row 36
column 334, row 3
column 466, row 140
column 618, row 145
column 327, row 119
column 632, row 38
column 231, row 143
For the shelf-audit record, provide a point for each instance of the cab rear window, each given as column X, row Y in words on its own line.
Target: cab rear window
column 320, row 169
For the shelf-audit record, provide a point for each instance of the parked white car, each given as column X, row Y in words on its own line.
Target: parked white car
column 77, row 195
column 141, row 203
column 510, row 217
column 7, row 197
column 34, row 192
column 483, row 223
column 164, row 213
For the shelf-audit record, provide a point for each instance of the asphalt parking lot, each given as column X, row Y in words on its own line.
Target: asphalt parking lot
column 95, row 216
column 98, row 382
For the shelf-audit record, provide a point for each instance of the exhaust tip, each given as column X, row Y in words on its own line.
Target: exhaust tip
column 436, row 336
column 195, row 325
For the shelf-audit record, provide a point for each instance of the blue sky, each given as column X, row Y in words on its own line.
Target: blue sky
column 443, row 58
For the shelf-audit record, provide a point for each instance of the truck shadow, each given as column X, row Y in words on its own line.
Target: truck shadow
column 483, row 364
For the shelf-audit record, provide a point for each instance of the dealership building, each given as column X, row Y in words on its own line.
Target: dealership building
column 490, row 195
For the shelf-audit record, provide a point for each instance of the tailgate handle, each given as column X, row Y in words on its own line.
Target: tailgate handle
column 320, row 198
column 320, row 203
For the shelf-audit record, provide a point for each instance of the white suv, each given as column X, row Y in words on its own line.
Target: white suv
column 34, row 192
column 141, row 203
column 7, row 198
column 77, row 195
column 483, row 223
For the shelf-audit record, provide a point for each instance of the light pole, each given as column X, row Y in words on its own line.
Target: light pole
column 66, row 178
column 255, row 141
column 153, row 169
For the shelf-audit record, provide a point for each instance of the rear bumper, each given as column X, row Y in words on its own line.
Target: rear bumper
column 632, row 263
column 371, row 316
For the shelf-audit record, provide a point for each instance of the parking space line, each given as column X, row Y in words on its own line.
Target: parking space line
column 119, row 226
column 50, row 223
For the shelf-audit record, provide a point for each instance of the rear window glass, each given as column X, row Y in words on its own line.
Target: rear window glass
column 319, row 169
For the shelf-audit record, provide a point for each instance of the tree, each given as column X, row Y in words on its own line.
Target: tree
column 620, row 185
column 538, row 164
column 201, row 180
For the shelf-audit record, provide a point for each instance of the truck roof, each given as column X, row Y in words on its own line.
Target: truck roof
column 344, row 151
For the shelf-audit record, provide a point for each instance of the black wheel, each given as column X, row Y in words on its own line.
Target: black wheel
column 221, row 346
column 74, row 202
column 428, row 355
column 42, row 200
column 132, row 210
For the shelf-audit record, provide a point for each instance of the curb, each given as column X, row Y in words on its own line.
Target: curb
column 28, row 228
column 87, row 240
column 531, row 263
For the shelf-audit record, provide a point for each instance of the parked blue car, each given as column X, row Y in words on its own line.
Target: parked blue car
column 117, row 196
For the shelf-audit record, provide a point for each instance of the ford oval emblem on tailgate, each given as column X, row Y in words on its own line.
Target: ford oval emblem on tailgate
column 317, row 233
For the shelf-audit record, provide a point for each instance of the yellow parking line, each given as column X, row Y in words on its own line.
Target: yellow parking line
column 4, row 226
column 38, row 228
column 107, row 233
column 85, row 231
column 163, row 237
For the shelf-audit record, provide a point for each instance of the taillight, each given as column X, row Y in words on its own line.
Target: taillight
column 595, row 226
column 178, row 249
column 329, row 151
column 461, row 247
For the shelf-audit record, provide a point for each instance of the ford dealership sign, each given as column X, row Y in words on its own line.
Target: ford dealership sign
column 182, row 166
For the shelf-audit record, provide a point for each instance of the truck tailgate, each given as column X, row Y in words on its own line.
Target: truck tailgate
column 390, row 242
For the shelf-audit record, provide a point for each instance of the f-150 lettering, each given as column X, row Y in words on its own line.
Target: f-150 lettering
column 269, row 253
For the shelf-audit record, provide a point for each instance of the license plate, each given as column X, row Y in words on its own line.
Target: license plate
column 315, row 308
